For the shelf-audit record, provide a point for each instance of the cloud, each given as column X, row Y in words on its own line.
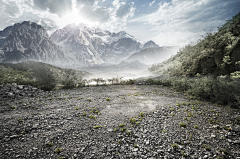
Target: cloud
column 150, row 4
column 115, row 2
column 125, row 10
column 11, row 8
column 185, row 20
column 59, row 7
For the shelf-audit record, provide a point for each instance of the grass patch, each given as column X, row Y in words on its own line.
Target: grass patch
column 207, row 147
column 184, row 154
column 174, row 145
column 58, row 150
column 182, row 124
column 123, row 129
column 97, row 126
column 142, row 114
column 195, row 126
column 132, row 120
column 224, row 152
column 122, row 125
column 50, row 144
column 92, row 116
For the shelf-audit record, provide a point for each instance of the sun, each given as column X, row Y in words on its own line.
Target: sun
column 75, row 17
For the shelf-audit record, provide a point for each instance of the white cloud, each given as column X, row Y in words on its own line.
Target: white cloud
column 185, row 20
column 115, row 2
column 11, row 8
column 125, row 10
column 150, row 4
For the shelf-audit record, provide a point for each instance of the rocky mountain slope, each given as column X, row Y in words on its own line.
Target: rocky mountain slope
column 92, row 45
column 217, row 53
column 28, row 41
column 74, row 45
column 152, row 55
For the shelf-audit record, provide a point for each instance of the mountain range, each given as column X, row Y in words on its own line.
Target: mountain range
column 153, row 55
column 72, row 46
column 29, row 42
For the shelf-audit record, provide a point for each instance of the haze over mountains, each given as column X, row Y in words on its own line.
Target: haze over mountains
column 74, row 46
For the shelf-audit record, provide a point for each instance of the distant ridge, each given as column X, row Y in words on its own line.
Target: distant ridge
column 153, row 55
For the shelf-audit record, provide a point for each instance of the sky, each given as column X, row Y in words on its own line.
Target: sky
column 166, row 22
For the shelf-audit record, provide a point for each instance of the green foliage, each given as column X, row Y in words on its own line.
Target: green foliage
column 182, row 124
column 58, row 150
column 222, row 151
column 195, row 126
column 123, row 129
column 184, row 154
column 9, row 75
column 70, row 80
column 174, row 145
column 215, row 53
column 92, row 116
column 97, row 126
column 132, row 120
column 50, row 144
column 40, row 75
column 141, row 114
column 221, row 90
column 207, row 147
column 108, row 99
column 122, row 125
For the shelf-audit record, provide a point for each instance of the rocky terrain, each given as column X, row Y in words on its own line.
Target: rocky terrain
column 115, row 121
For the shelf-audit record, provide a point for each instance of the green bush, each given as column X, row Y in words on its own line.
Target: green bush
column 9, row 75
column 221, row 90
column 214, row 53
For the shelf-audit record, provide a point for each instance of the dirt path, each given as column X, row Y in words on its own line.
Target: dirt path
column 84, row 123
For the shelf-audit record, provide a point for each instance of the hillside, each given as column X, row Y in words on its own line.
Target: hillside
column 41, row 75
column 216, row 54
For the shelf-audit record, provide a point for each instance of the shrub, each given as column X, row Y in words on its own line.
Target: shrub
column 182, row 124
column 97, row 126
column 174, row 145
column 58, row 150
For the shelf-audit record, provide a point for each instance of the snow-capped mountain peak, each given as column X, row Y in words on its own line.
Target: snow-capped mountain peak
column 95, row 44
column 80, row 44
column 150, row 44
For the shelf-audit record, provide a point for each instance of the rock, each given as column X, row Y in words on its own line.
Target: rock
column 20, row 87
column 135, row 149
column 236, row 142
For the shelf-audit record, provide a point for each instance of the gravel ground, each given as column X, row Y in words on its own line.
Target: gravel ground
column 118, row 121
